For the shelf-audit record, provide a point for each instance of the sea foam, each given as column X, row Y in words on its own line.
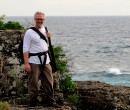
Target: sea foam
column 114, row 71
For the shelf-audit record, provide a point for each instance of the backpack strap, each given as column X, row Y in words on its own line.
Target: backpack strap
column 39, row 56
column 40, row 53
column 40, row 34
column 51, row 54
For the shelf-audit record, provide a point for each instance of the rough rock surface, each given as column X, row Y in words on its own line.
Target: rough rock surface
column 95, row 95
column 41, row 108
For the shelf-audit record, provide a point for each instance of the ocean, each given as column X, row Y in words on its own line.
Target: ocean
column 97, row 47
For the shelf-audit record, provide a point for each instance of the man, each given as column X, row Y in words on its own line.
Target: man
column 34, row 44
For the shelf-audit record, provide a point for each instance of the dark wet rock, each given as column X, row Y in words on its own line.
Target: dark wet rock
column 96, row 95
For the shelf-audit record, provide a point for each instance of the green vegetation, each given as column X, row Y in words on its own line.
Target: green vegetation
column 9, row 24
column 61, row 60
column 66, row 84
column 73, row 99
column 13, row 25
column 1, row 22
column 5, row 106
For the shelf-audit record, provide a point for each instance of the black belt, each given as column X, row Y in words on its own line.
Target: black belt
column 39, row 56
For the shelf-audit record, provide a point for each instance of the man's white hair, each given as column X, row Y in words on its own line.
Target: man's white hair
column 39, row 12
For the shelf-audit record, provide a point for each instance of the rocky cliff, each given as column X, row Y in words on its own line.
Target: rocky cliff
column 94, row 95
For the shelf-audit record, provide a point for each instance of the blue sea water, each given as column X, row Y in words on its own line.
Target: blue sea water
column 97, row 47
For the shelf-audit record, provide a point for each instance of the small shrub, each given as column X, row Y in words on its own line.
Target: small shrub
column 5, row 106
column 24, row 100
column 73, row 99
column 2, row 26
column 13, row 25
column 61, row 62
column 9, row 24
column 67, row 85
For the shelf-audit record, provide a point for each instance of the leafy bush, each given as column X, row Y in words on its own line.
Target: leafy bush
column 5, row 106
column 9, row 24
column 2, row 23
column 67, row 85
column 24, row 99
column 13, row 25
column 73, row 99
column 61, row 61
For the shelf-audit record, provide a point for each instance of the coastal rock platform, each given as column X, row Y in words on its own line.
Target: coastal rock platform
column 41, row 108
column 95, row 95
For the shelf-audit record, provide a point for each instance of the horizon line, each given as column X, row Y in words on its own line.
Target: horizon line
column 66, row 15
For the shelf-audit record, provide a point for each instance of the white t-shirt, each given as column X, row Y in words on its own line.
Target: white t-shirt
column 34, row 44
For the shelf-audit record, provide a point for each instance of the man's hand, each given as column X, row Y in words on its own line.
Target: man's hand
column 27, row 68
column 48, row 34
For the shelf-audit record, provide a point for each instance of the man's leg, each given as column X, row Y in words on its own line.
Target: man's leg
column 47, row 83
column 33, row 78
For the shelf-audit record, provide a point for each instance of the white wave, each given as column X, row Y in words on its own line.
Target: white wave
column 114, row 71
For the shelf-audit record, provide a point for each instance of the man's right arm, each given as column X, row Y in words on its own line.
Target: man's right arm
column 26, row 46
column 26, row 57
column 26, row 62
